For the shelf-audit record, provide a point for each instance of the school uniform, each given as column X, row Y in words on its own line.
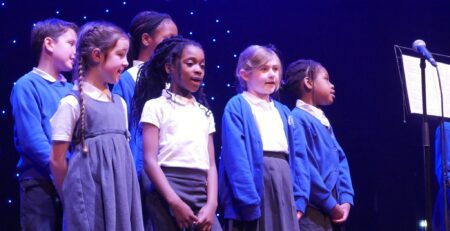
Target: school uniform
column 438, row 213
column 34, row 100
column 329, row 171
column 125, row 89
column 255, row 182
column 101, row 189
column 184, row 129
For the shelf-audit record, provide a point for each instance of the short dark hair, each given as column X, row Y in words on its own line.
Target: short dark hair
column 52, row 28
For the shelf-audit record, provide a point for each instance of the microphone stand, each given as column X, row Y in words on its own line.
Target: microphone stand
column 426, row 148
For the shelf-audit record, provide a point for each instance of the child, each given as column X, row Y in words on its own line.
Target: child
column 34, row 100
column 147, row 29
column 331, row 186
column 438, row 214
column 98, row 185
column 255, row 182
column 177, row 138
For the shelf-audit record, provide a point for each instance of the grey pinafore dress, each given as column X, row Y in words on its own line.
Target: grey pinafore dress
column 101, row 190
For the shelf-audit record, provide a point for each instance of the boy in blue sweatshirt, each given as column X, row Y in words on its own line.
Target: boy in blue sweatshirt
column 34, row 100
column 331, row 194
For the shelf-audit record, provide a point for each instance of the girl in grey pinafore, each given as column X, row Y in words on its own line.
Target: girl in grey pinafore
column 101, row 191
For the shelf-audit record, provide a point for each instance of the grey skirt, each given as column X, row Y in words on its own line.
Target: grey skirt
column 190, row 185
column 278, row 207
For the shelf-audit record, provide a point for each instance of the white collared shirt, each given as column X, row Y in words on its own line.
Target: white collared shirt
column 269, row 123
column 66, row 116
column 47, row 76
column 184, row 129
column 135, row 69
column 314, row 111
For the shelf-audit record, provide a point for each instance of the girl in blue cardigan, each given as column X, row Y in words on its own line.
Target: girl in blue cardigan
column 331, row 187
column 255, row 182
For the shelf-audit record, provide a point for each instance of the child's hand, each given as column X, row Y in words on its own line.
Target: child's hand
column 299, row 215
column 337, row 213
column 346, row 210
column 206, row 217
column 183, row 214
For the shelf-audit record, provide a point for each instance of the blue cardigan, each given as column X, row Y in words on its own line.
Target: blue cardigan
column 34, row 100
column 328, row 164
column 242, row 167
column 438, row 160
column 125, row 88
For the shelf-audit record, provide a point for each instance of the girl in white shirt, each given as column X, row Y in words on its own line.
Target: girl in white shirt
column 177, row 138
column 98, row 184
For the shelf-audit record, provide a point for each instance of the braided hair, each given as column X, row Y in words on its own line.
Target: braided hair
column 152, row 76
column 101, row 35
column 296, row 73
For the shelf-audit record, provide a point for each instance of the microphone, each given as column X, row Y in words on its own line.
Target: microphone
column 420, row 47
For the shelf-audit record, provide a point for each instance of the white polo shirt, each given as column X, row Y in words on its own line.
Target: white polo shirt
column 314, row 111
column 66, row 116
column 269, row 123
column 47, row 76
column 184, row 129
column 137, row 64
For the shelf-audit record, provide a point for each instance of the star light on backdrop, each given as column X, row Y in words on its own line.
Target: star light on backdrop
column 216, row 40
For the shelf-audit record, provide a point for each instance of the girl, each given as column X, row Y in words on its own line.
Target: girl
column 177, row 138
column 147, row 30
column 255, row 178
column 99, row 185
column 331, row 186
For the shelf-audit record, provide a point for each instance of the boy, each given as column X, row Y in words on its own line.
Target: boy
column 34, row 100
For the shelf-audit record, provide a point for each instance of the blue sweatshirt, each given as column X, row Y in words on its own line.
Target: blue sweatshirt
column 327, row 161
column 34, row 100
column 125, row 88
column 438, row 159
column 241, row 167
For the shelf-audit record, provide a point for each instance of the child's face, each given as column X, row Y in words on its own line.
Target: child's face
column 323, row 88
column 64, row 51
column 264, row 80
column 188, row 78
column 115, row 61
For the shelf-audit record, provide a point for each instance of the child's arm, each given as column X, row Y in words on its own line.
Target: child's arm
column 207, row 213
column 31, row 137
column 301, row 176
column 345, row 188
column 150, row 140
column 58, row 163
column 237, row 166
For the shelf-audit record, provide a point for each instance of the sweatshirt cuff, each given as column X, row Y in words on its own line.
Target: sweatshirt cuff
column 329, row 203
column 346, row 198
column 300, row 204
column 250, row 212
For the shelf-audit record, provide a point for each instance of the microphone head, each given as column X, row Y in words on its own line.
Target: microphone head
column 418, row 43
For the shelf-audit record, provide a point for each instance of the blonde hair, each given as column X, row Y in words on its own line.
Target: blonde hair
column 252, row 58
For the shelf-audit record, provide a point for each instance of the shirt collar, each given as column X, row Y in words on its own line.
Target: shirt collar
column 137, row 63
column 255, row 100
column 314, row 111
column 95, row 93
column 47, row 76
column 178, row 98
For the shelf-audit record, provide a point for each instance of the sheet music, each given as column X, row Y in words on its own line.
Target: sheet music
column 413, row 81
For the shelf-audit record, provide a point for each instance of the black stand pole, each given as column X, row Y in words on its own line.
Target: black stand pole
column 426, row 149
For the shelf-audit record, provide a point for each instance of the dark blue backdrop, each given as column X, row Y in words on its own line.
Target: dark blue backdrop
column 353, row 39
